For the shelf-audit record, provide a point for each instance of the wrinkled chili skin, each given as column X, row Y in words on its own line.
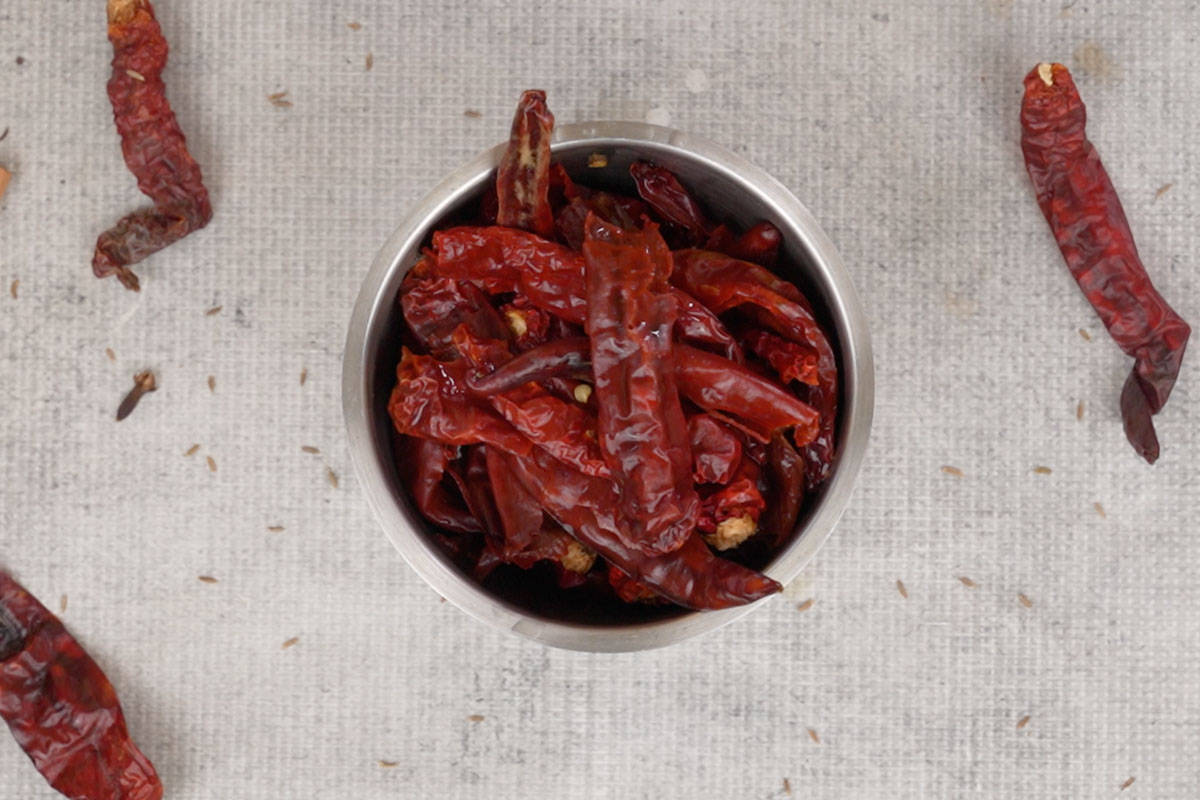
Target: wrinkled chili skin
column 1085, row 214
column 663, row 192
column 785, row 475
column 432, row 459
column 690, row 575
column 641, row 426
column 62, row 709
column 716, row 451
column 154, row 147
column 523, row 177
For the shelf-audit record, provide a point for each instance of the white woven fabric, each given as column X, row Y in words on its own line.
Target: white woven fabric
column 895, row 122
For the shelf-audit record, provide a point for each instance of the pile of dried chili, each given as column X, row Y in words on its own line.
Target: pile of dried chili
column 154, row 147
column 61, row 708
column 1088, row 222
column 613, row 386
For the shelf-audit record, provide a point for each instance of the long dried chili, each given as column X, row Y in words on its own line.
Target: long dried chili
column 154, row 147
column 1085, row 214
column 62, row 709
column 523, row 177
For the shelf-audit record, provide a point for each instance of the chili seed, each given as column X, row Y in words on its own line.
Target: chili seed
column 332, row 476
column 212, row 312
column 955, row 471
column 967, row 582
column 206, row 579
column 583, row 393
column 1021, row 723
column 1042, row 470
column 597, row 160
column 308, row 448
column 806, row 605
column 289, row 643
column 143, row 383
column 476, row 718
column 1128, row 782
column 1025, row 601
column 191, row 451
column 813, row 735
column 212, row 465
column 901, row 589
column 137, row 76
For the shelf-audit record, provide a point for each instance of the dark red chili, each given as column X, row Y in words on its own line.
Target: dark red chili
column 523, row 178
column 154, row 147
column 1083, row 210
column 62, row 709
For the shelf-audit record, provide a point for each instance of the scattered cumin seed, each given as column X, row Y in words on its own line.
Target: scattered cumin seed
column 1100, row 510
column 472, row 113
column 4, row 135
column 279, row 100
column 806, row 605
column 1087, row 336
column 137, row 76
column 813, row 735
column 475, row 718
column 1166, row 187
column 191, row 451
column 333, row 478
column 1025, row 601
column 206, row 579
column 388, row 764
column 112, row 355
column 212, row 312
column 212, row 383
column 62, row 604
column 597, row 160
column 1042, row 470
column 143, row 383
column 901, row 589
column 370, row 61
column 303, row 375
column 1128, row 782
column 967, row 582
column 955, row 471
column 5, row 177
column 274, row 528
column 1022, row 722
column 12, row 288
column 308, row 448
column 212, row 465
column 289, row 643
column 354, row 26
column 787, row 787
column 1079, row 410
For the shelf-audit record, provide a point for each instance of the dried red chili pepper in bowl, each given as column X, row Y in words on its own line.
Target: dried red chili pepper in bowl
column 611, row 425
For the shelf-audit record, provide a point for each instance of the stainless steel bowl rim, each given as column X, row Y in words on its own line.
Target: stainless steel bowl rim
column 418, row 550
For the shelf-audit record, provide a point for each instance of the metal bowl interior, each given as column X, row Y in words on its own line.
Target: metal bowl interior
column 724, row 182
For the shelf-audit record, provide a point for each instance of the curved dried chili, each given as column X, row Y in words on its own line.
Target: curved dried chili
column 154, row 147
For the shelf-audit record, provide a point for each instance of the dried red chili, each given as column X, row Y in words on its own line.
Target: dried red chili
column 154, row 147
column 1083, row 210
column 667, row 196
column 62, row 709
column 641, row 427
column 523, row 178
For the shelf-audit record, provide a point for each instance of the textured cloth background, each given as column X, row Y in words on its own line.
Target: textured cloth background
column 895, row 122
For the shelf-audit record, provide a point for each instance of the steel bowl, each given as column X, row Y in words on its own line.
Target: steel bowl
column 722, row 181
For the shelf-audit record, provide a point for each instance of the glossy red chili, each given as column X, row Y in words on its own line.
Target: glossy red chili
column 154, row 147
column 1080, row 204
column 62, row 709
column 523, row 178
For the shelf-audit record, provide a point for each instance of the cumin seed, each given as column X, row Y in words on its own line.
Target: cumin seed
column 191, row 451
column 1086, row 336
column 212, row 383
column 1079, row 410
column 900, row 588
column 278, row 100
column 1042, row 470
column 955, row 471
column 1022, row 722
column 12, row 287
column 332, row 476
column 308, row 448
column 388, row 764
column 1166, row 187
column 354, row 26
column 1025, row 601
column 212, row 465
column 1100, row 510
column 62, row 604
column 472, row 113
column 289, row 643
column 813, row 735
column 806, row 605
column 475, row 718
column 370, row 61
column 212, row 312
column 274, row 528
column 967, row 582
column 112, row 356
column 787, row 787
column 303, row 375
column 1128, row 782
column 206, row 579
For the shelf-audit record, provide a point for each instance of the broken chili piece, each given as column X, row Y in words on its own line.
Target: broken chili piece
column 588, row 398
column 1080, row 204
column 62, row 709
column 154, row 147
